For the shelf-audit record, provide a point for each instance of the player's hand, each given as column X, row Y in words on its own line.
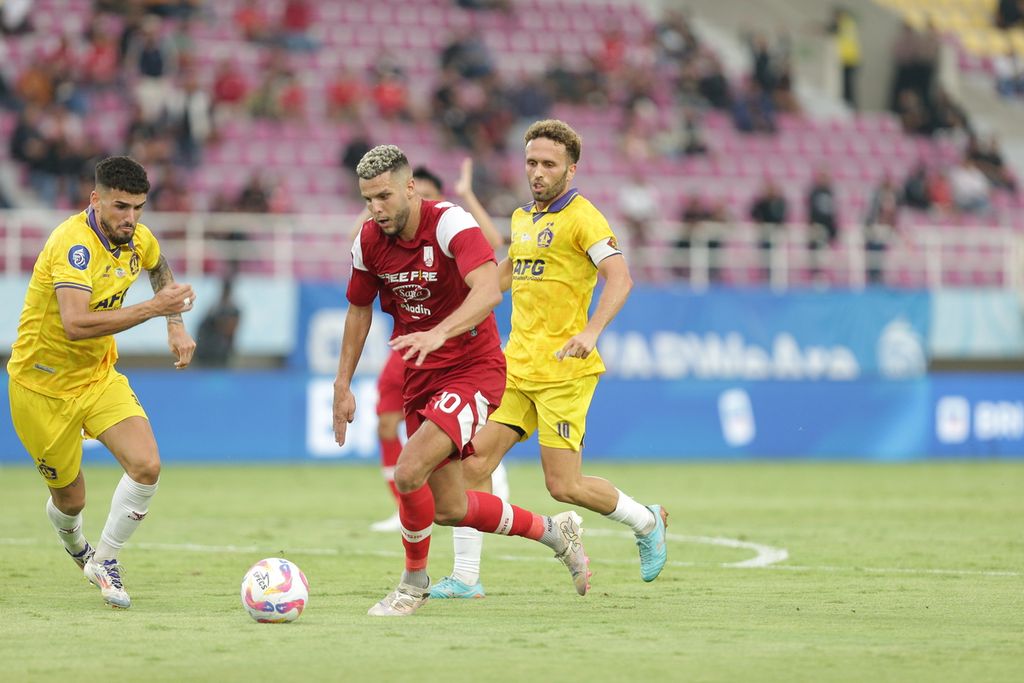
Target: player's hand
column 464, row 185
column 344, row 412
column 418, row 345
column 578, row 346
column 176, row 297
column 182, row 345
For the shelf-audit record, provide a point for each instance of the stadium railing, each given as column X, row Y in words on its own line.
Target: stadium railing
column 316, row 247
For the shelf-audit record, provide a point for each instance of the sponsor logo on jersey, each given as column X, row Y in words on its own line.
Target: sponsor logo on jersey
column 119, row 272
column 545, row 236
column 528, row 268
column 78, row 257
column 412, row 292
column 409, row 276
column 417, row 310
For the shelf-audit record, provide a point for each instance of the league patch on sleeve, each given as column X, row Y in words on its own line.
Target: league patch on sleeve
column 78, row 257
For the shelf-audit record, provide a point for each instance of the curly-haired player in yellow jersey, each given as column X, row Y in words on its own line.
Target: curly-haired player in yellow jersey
column 560, row 243
column 63, row 384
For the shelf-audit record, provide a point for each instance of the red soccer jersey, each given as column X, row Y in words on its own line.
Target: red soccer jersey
column 422, row 281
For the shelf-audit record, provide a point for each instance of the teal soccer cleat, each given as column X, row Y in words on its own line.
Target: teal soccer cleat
column 450, row 587
column 653, row 552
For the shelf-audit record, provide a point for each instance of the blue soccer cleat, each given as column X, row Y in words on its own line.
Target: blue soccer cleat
column 653, row 552
column 450, row 587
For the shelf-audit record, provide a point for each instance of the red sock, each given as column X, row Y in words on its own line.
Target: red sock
column 416, row 510
column 488, row 513
column 389, row 451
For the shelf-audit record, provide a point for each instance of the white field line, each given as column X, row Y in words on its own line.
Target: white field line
column 767, row 557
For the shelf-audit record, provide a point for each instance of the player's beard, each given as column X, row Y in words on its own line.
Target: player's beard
column 397, row 223
column 552, row 191
column 113, row 237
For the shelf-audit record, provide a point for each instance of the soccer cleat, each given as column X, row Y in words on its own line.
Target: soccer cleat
column 400, row 602
column 82, row 557
column 392, row 523
column 569, row 526
column 106, row 575
column 450, row 587
column 653, row 552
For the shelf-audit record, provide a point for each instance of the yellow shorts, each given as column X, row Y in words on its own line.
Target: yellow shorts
column 52, row 429
column 557, row 411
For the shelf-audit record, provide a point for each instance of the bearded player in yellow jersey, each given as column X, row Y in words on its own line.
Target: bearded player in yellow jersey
column 63, row 384
column 560, row 244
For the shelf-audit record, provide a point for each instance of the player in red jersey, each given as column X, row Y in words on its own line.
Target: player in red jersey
column 389, row 383
column 437, row 277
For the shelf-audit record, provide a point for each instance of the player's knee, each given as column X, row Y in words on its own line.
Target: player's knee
column 406, row 480
column 449, row 515
column 563, row 491
column 146, row 472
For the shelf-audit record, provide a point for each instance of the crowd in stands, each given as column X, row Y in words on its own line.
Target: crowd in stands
column 135, row 63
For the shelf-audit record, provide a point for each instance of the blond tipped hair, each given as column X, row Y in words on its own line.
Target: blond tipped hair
column 381, row 159
column 557, row 131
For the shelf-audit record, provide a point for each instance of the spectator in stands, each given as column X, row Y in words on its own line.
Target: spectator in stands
column 880, row 224
column 230, row 90
column 344, row 95
column 844, row 27
column 769, row 211
column 215, row 341
column 252, row 20
column 297, row 19
column 986, row 156
column 915, row 55
column 101, row 63
column 390, row 96
column 467, row 54
column 31, row 146
column 695, row 213
column 821, row 211
column 255, row 196
column 753, row 110
column 675, row 40
column 940, row 191
column 190, row 112
column 914, row 116
column 638, row 205
column 170, row 192
column 357, row 146
column 15, row 17
column 947, row 115
column 1009, row 73
column 1009, row 13
column 153, row 58
column 970, row 188
column 8, row 97
column 915, row 188
column 711, row 81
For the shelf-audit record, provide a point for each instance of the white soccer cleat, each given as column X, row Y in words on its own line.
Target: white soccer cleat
column 106, row 575
column 392, row 523
column 82, row 557
column 400, row 602
column 570, row 527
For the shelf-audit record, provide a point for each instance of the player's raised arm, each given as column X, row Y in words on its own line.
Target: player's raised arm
column 484, row 295
column 469, row 201
column 178, row 339
column 357, row 326
column 617, row 286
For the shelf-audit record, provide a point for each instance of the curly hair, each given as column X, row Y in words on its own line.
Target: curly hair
column 381, row 159
column 122, row 173
column 557, row 131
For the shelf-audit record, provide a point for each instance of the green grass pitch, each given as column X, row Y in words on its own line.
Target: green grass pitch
column 780, row 571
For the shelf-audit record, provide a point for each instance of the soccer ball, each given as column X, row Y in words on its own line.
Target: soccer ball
column 274, row 591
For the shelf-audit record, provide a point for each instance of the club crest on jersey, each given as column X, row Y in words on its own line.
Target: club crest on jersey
column 78, row 257
column 428, row 255
column 545, row 236
column 133, row 263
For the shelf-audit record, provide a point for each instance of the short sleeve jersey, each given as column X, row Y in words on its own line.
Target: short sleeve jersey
column 77, row 255
column 553, row 280
column 422, row 281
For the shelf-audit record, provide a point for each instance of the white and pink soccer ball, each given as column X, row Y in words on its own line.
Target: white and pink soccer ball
column 274, row 591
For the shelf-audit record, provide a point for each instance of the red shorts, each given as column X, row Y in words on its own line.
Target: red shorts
column 457, row 399
column 389, row 385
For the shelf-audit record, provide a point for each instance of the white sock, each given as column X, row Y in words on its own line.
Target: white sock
column 127, row 509
column 67, row 527
column 499, row 482
column 469, row 545
column 637, row 517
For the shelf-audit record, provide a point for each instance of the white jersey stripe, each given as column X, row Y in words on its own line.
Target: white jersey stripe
column 357, row 252
column 454, row 220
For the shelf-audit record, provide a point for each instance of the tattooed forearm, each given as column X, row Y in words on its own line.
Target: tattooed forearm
column 160, row 277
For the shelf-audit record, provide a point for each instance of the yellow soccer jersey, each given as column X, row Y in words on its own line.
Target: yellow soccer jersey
column 553, row 280
column 76, row 255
